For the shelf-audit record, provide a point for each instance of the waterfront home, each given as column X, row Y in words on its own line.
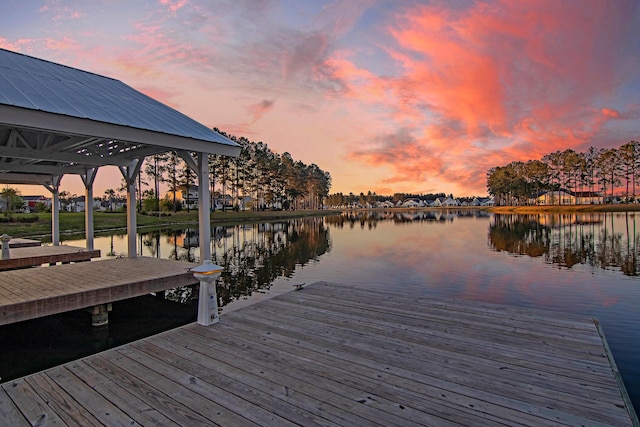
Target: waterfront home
column 566, row 197
column 445, row 202
column 587, row 197
column 412, row 203
column 31, row 202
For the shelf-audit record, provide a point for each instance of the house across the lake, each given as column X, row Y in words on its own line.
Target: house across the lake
column 31, row 202
column 566, row 197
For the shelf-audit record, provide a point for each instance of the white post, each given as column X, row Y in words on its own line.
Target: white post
column 54, row 188
column 88, row 180
column 132, row 224
column 5, row 238
column 207, row 274
column 129, row 173
column 204, row 214
column 55, row 218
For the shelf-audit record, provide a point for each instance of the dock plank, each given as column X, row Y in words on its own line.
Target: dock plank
column 31, row 256
column 9, row 413
column 368, row 348
column 18, row 242
column 109, row 414
column 146, row 391
column 369, row 358
column 418, row 358
column 137, row 409
column 207, row 384
column 62, row 403
column 459, row 359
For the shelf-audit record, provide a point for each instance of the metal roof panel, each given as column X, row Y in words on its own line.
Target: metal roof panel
column 37, row 84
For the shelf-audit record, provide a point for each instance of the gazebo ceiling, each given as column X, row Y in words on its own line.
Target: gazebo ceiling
column 57, row 120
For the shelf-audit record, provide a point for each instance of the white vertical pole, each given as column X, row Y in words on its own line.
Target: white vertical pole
column 204, row 201
column 129, row 173
column 88, row 178
column 132, row 225
column 54, row 188
column 88, row 216
column 55, row 217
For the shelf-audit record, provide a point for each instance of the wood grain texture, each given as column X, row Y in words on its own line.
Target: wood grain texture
column 334, row 355
column 32, row 256
column 36, row 292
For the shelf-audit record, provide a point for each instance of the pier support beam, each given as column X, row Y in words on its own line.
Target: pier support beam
column 100, row 314
column 130, row 173
column 54, row 188
column 204, row 203
column 88, row 178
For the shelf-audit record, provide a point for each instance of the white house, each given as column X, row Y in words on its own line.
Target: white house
column 445, row 202
column 565, row 197
column 412, row 203
column 587, row 197
column 386, row 204
column 31, row 202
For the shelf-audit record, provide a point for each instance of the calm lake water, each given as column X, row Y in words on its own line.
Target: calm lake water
column 580, row 263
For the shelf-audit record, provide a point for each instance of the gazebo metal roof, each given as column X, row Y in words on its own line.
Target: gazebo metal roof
column 57, row 120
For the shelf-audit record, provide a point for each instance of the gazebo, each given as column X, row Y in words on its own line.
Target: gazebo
column 57, row 120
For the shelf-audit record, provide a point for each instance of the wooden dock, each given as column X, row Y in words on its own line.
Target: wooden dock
column 334, row 355
column 18, row 242
column 37, row 292
column 32, row 256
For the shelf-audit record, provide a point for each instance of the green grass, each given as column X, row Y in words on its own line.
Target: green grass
column 632, row 207
column 72, row 223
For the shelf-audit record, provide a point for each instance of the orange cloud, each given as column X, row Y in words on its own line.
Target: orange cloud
column 609, row 112
column 489, row 84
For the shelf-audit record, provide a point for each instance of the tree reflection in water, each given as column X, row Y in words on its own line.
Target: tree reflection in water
column 370, row 219
column 599, row 240
column 253, row 255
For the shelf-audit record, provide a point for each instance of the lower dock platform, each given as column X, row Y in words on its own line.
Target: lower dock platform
column 33, row 256
column 37, row 292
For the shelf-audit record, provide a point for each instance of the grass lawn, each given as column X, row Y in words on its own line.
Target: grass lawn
column 632, row 207
column 71, row 222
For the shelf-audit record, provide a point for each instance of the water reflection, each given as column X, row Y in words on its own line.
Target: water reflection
column 598, row 240
column 580, row 263
column 253, row 255
column 370, row 219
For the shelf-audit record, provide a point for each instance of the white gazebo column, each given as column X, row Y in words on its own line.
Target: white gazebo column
column 88, row 179
column 130, row 173
column 54, row 188
column 204, row 213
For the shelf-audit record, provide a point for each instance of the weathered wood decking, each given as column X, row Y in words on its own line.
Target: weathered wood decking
column 31, row 256
column 18, row 242
column 337, row 355
column 37, row 292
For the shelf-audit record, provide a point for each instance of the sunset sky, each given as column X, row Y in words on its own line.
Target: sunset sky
column 387, row 96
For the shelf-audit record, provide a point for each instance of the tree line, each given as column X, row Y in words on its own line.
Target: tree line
column 597, row 170
column 341, row 199
column 269, row 179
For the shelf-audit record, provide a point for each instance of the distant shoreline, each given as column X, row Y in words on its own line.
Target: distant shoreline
column 631, row 207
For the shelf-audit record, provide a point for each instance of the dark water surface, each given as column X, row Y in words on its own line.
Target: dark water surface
column 585, row 264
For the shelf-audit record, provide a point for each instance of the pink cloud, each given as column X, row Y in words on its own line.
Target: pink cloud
column 58, row 12
column 8, row 45
column 173, row 5
column 305, row 57
column 493, row 83
column 259, row 109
